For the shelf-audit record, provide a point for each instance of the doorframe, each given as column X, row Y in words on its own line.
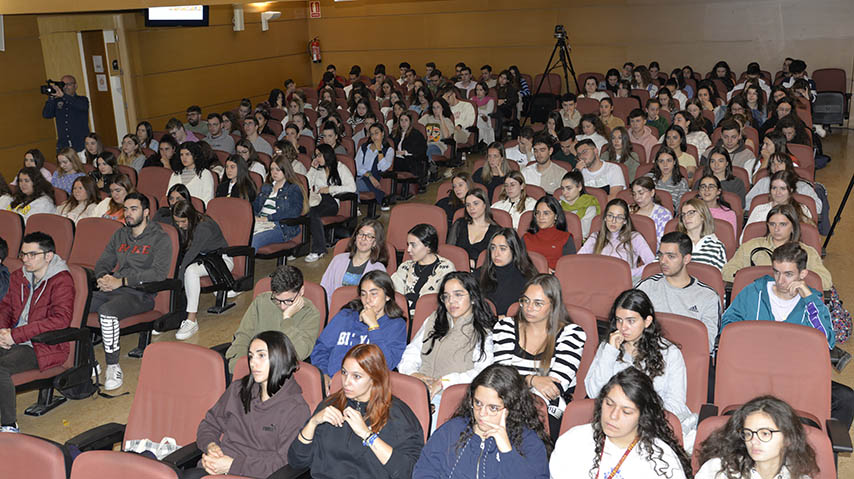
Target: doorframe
column 85, row 78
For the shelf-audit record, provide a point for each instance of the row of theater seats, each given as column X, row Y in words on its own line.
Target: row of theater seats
column 170, row 402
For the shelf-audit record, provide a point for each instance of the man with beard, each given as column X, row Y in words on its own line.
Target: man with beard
column 138, row 253
column 195, row 122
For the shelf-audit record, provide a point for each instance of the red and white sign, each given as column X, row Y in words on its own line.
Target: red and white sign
column 314, row 9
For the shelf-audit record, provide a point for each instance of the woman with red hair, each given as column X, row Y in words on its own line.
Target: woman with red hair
column 363, row 414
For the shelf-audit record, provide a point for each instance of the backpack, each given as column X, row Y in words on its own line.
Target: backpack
column 840, row 318
column 77, row 382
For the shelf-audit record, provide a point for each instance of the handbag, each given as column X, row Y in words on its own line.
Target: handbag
column 217, row 270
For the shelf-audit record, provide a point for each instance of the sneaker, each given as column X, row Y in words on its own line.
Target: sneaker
column 113, row 378
column 155, row 332
column 12, row 429
column 96, row 369
column 233, row 294
column 187, row 330
column 820, row 131
column 291, row 257
column 448, row 173
column 312, row 257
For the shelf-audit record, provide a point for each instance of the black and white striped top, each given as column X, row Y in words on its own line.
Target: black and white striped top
column 567, row 357
column 709, row 250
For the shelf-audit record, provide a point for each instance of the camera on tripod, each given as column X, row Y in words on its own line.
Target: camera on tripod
column 560, row 32
column 52, row 87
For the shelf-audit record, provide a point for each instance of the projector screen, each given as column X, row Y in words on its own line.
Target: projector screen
column 184, row 15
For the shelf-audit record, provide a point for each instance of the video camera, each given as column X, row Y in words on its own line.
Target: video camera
column 560, row 32
column 50, row 88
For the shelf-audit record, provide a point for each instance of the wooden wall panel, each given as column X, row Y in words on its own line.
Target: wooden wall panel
column 22, row 126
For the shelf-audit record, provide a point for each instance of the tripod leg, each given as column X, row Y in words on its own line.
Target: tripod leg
column 537, row 91
column 572, row 70
column 838, row 213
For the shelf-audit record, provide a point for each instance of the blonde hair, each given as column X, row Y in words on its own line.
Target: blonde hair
column 703, row 210
column 72, row 157
column 523, row 195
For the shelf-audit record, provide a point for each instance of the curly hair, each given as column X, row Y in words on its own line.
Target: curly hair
column 482, row 317
column 521, row 409
column 729, row 446
column 648, row 357
column 652, row 423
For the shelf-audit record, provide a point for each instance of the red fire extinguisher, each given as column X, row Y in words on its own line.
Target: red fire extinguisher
column 314, row 50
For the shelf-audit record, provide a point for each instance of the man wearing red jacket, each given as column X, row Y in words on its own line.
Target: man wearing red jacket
column 40, row 299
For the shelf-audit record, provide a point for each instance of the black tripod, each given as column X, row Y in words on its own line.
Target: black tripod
column 838, row 214
column 564, row 61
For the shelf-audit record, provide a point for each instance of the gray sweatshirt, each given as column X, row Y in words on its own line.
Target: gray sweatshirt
column 140, row 259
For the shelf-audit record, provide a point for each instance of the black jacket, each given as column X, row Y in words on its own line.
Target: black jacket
column 222, row 190
column 336, row 453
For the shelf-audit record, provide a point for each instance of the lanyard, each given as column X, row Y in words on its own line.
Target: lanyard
column 619, row 464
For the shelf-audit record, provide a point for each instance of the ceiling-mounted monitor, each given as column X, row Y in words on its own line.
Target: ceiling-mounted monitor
column 177, row 16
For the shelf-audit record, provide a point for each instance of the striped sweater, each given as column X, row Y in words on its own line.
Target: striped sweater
column 564, row 365
column 709, row 250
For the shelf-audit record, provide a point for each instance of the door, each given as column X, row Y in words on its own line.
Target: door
column 100, row 94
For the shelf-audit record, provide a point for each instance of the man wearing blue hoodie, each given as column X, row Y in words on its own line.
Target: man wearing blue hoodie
column 787, row 298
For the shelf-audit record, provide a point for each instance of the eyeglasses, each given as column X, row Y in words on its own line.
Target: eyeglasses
column 763, row 434
column 615, row 218
column 365, row 236
column 535, row 304
column 30, row 254
column 710, row 186
column 286, row 302
column 456, row 295
column 491, row 408
column 688, row 214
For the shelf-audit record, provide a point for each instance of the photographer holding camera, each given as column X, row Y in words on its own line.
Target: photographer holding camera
column 70, row 110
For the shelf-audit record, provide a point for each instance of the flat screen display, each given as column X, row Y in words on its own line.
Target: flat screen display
column 177, row 16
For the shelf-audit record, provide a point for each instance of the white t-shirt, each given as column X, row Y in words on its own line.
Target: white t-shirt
column 780, row 307
column 574, row 453
column 609, row 175
column 516, row 155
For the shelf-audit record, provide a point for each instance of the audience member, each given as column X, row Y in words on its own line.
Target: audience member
column 523, row 152
column 505, row 270
column 6, row 194
column 40, row 299
column 112, row 207
column 463, row 111
column 696, row 221
column 496, row 406
column 282, row 197
column 366, row 252
column 328, row 177
column 217, row 137
column 439, row 123
column 461, row 184
column 69, row 169
column 711, row 193
column 779, row 162
column 236, row 182
column 642, row 134
column 654, row 118
column 179, row 132
column 606, row 108
column 718, row 163
column 106, row 168
column 675, row 139
column 339, row 427
column 34, row 194
column 593, row 129
column 193, row 172
column 473, row 230
column 245, row 149
column 667, row 173
column 694, row 133
column 166, row 156
column 465, row 83
column 425, row 270
column 568, row 112
column 590, row 90
column 566, row 147
column 494, row 170
column 628, row 412
column 782, row 191
column 544, row 173
column 253, row 135
column 647, row 204
column 547, row 234
column 82, row 202
column 411, row 150
column 137, row 253
column 131, row 153
column 597, row 173
column 195, row 123
column 91, row 148
column 677, row 292
column 618, row 238
column 485, row 111
column 576, row 200
column 514, row 198
column 374, row 317
column 329, row 136
column 372, row 159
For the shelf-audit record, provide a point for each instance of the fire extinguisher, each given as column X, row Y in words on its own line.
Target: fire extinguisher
column 314, row 50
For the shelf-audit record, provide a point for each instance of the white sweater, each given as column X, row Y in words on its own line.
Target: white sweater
column 202, row 187
column 510, row 207
column 317, row 179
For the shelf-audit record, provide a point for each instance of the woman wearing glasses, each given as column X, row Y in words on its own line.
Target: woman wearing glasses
column 543, row 344
column 366, row 251
column 455, row 342
column 495, row 432
column 764, row 438
column 374, row 317
column 618, row 238
column 697, row 222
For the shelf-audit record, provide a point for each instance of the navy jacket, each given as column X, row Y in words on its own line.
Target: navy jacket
column 288, row 205
column 72, row 120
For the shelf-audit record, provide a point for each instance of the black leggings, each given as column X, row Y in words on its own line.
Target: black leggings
column 326, row 207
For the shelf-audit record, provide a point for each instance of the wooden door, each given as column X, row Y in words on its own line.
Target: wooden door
column 100, row 94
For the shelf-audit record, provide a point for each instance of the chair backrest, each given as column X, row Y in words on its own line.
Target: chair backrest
column 197, row 203
column 404, row 216
column 307, row 376
column 172, row 401
column 580, row 411
column 587, row 106
column 313, row 291
column 90, row 240
column 408, row 389
column 153, row 180
column 663, row 197
column 723, row 231
column 341, row 247
column 693, row 341
column 573, row 226
column 551, row 83
column 749, row 274
column 707, row 274
column 60, row 228
column 424, row 307
column 12, row 228
column 235, row 219
column 60, row 196
column 345, row 294
column 30, row 456
column 584, row 318
column 451, row 399
column 642, row 224
column 593, row 281
column 101, row 464
column 747, row 360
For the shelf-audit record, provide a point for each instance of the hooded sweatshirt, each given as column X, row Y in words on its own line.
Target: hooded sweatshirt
column 754, row 304
column 346, row 330
column 258, row 441
column 478, row 458
column 31, row 308
column 140, row 259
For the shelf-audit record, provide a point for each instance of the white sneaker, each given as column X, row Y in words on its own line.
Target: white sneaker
column 113, row 379
column 12, row 429
column 819, row 129
column 96, row 369
column 312, row 257
column 233, row 294
column 155, row 332
column 188, row 329
column 291, row 257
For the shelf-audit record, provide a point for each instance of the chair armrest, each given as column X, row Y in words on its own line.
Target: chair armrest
column 158, row 286
column 388, row 174
column 185, row 457
column 707, row 411
column 100, row 438
column 289, row 472
column 472, row 129
column 60, row 336
column 346, row 197
column 300, row 220
column 237, row 251
column 839, row 438
column 221, row 348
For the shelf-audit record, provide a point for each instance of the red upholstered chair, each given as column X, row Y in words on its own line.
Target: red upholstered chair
column 693, row 339
column 313, row 291
column 90, row 240
column 12, row 226
column 29, row 456
column 406, row 215
column 593, row 281
column 580, row 411
column 60, row 228
column 198, row 204
column 154, row 181
column 296, row 245
column 60, row 196
column 103, row 464
column 307, row 376
column 451, row 399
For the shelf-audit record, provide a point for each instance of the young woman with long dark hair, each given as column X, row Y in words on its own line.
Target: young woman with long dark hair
column 234, row 435
column 495, row 432
column 326, row 178
column 424, row 272
column 236, row 182
column 473, row 230
column 81, row 202
column 193, row 172
column 112, row 207
column 548, row 234
column 629, row 436
column 618, row 238
column 666, row 172
column 506, row 269
column 361, row 431
column 280, row 198
column 461, row 184
column 34, row 194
